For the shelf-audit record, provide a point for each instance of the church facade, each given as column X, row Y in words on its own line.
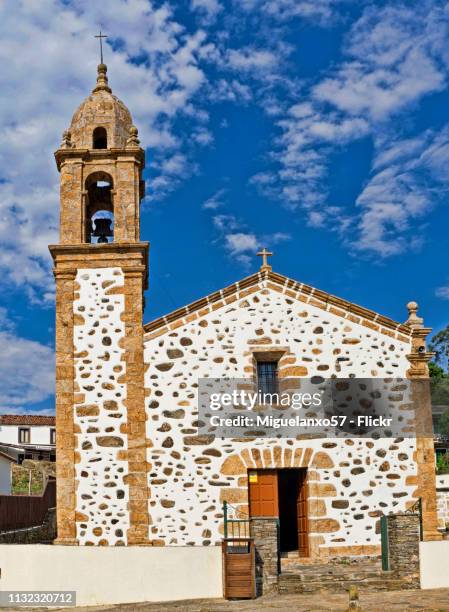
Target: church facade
column 132, row 468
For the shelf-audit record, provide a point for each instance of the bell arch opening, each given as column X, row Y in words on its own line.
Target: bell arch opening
column 100, row 138
column 99, row 217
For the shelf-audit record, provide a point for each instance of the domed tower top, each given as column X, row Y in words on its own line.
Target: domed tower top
column 102, row 121
column 101, row 163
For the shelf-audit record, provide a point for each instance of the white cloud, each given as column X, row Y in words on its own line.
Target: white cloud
column 392, row 57
column 209, row 9
column 442, row 292
column 215, row 201
column 392, row 63
column 283, row 10
column 410, row 178
column 231, row 90
column 240, row 243
column 243, row 245
column 43, row 82
column 250, row 59
column 24, row 410
column 203, row 137
column 26, row 368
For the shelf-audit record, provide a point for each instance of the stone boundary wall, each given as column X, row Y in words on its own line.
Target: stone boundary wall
column 403, row 548
column 265, row 534
column 42, row 534
column 103, row 575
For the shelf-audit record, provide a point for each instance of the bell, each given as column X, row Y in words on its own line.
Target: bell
column 102, row 229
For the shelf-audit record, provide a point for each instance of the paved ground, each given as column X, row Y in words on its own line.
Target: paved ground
column 399, row 601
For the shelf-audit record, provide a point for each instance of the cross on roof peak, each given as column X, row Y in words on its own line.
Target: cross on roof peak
column 101, row 36
column 265, row 254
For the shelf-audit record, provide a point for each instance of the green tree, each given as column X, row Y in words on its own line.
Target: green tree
column 435, row 371
column 439, row 344
column 443, row 423
column 439, row 377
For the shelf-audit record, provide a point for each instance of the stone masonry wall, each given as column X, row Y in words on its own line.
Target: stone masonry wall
column 265, row 534
column 350, row 483
column 403, row 548
column 100, row 420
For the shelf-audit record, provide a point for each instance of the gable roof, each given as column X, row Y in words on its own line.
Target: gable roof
column 26, row 419
column 290, row 288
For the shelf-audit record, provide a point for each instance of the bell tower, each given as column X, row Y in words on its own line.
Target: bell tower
column 101, row 271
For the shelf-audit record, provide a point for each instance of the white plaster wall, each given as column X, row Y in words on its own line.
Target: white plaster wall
column 434, row 564
column 106, row 576
column 102, row 494
column 186, row 496
column 39, row 434
column 443, row 500
column 443, row 481
column 5, row 476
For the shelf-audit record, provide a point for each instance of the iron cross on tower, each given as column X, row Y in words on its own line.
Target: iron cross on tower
column 265, row 254
column 101, row 36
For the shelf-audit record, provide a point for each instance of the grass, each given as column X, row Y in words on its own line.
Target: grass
column 21, row 476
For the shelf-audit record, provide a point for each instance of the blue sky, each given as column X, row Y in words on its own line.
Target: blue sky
column 317, row 128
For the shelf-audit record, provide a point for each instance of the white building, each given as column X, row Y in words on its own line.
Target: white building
column 5, row 473
column 27, row 436
column 133, row 467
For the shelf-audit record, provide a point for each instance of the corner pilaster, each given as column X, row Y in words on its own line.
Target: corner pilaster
column 418, row 374
column 65, row 436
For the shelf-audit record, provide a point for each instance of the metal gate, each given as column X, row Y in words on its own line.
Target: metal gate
column 239, row 568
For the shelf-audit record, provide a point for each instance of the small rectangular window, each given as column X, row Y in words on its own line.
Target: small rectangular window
column 52, row 436
column 24, row 435
column 267, row 376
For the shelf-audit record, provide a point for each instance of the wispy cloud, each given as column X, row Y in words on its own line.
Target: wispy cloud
column 283, row 10
column 26, row 368
column 442, row 292
column 207, row 9
column 40, row 91
column 408, row 181
column 392, row 59
column 216, row 200
column 240, row 243
column 251, row 59
column 392, row 62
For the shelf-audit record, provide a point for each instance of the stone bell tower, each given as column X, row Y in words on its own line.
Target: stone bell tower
column 101, row 271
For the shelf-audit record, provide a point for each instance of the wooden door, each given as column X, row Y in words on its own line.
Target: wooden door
column 301, row 514
column 263, row 493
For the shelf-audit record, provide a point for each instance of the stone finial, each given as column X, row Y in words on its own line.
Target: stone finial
column 413, row 320
column 102, row 79
column 66, row 140
column 133, row 140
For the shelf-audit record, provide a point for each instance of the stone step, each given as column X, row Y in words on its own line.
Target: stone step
column 335, row 576
column 292, row 583
column 330, row 571
column 359, row 576
column 295, row 559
